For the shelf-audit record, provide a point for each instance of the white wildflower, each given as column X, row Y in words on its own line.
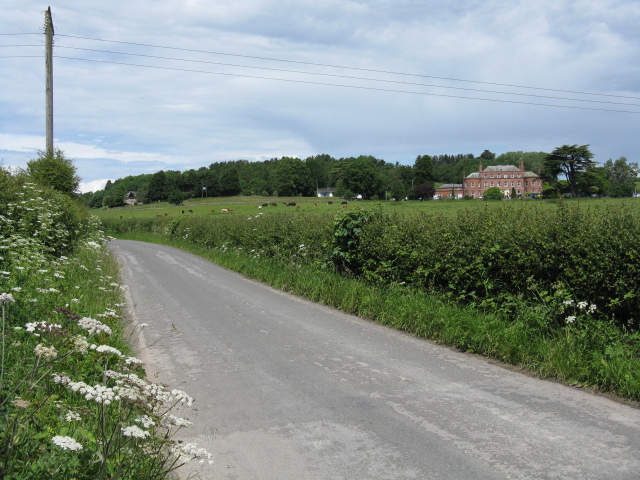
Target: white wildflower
column 190, row 451
column 80, row 343
column 6, row 297
column 145, row 420
column 582, row 305
column 72, row 416
column 570, row 319
column 133, row 361
column 66, row 443
column 63, row 379
column 169, row 419
column 93, row 326
column 182, row 397
column 108, row 349
column 134, row 431
column 47, row 353
column 592, row 308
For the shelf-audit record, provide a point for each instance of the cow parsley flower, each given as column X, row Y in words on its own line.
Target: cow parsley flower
column 6, row 297
column 134, row 431
column 72, row 416
column 93, row 326
column 47, row 353
column 182, row 397
column 63, row 379
column 570, row 319
column 168, row 419
column 80, row 344
column 145, row 420
column 108, row 349
column 190, row 451
column 66, row 443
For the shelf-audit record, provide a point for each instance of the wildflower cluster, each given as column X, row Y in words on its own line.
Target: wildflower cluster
column 573, row 311
column 70, row 387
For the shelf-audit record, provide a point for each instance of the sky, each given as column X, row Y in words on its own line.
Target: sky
column 142, row 86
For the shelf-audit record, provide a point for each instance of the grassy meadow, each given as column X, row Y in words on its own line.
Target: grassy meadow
column 547, row 285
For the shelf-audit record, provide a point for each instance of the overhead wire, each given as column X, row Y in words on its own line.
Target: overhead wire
column 338, row 76
column 346, row 67
column 360, row 87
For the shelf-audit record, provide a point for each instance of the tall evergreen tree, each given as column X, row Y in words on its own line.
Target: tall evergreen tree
column 423, row 169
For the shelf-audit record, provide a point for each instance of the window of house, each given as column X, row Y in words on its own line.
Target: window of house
column 485, row 184
column 492, row 175
column 519, row 175
column 519, row 184
column 492, row 184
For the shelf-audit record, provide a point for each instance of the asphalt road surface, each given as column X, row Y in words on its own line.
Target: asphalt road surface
column 287, row 389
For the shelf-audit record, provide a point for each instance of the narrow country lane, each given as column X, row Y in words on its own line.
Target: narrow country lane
column 287, row 389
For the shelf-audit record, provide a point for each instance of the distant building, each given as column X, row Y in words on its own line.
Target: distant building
column 508, row 178
column 326, row 192
column 130, row 198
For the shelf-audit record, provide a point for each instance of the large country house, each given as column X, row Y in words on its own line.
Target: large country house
column 508, row 178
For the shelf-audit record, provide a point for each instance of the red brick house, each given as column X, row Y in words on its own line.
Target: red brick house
column 505, row 177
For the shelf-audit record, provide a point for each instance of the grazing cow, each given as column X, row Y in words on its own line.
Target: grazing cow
column 315, row 204
column 183, row 212
column 345, row 206
column 160, row 216
column 190, row 211
column 343, row 203
column 265, row 204
column 329, row 202
column 226, row 210
column 274, row 204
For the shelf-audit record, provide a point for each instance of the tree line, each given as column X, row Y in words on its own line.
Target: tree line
column 368, row 176
column 568, row 170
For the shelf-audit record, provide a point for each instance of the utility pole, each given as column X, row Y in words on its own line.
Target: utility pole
column 48, row 46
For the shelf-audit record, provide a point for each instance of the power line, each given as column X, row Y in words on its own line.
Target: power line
column 347, row 86
column 338, row 76
column 350, row 77
column 346, row 67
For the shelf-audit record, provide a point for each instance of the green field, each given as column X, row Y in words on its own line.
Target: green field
column 249, row 206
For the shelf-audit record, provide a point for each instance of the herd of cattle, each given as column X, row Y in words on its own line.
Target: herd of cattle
column 264, row 205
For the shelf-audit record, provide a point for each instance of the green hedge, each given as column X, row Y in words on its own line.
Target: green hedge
column 486, row 256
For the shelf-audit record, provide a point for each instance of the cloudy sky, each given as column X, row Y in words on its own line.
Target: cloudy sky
column 142, row 86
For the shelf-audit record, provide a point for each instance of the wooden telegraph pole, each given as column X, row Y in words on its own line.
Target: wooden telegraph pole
column 48, row 32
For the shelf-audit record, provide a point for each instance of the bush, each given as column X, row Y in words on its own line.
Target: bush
column 492, row 193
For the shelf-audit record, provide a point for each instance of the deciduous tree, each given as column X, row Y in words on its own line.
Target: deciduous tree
column 55, row 170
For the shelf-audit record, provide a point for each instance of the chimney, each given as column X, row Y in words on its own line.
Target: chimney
column 522, row 166
column 480, row 167
column 538, row 169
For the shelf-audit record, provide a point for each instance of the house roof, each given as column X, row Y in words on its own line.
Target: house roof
column 501, row 168
column 449, row 186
